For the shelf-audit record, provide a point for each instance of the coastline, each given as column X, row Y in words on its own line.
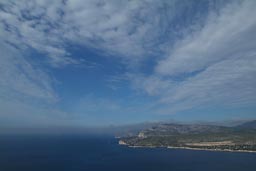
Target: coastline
column 205, row 149
column 121, row 142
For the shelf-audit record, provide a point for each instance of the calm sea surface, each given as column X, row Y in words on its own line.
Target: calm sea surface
column 102, row 153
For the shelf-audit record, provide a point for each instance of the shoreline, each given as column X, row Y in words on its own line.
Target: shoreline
column 218, row 150
column 121, row 142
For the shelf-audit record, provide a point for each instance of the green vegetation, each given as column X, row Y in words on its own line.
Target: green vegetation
column 196, row 136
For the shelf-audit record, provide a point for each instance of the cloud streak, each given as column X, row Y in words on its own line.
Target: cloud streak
column 230, row 34
column 214, row 65
column 18, row 76
column 132, row 30
column 194, row 53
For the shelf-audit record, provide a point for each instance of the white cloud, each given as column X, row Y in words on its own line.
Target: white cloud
column 34, row 24
column 131, row 30
column 18, row 76
column 230, row 82
column 214, row 66
column 27, row 96
column 200, row 64
column 230, row 34
column 152, row 85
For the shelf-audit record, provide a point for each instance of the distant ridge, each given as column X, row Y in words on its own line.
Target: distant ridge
column 250, row 124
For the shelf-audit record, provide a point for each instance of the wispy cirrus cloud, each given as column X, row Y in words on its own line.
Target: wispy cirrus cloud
column 27, row 95
column 193, row 53
column 124, row 29
column 20, row 77
column 229, row 34
column 131, row 30
column 213, row 66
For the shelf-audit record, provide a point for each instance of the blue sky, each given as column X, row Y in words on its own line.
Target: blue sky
column 95, row 62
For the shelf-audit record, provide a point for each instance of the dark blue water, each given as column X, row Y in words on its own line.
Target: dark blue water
column 102, row 153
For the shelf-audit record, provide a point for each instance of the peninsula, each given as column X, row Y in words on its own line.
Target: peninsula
column 241, row 138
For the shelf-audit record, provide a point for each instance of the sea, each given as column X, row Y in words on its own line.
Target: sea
column 102, row 153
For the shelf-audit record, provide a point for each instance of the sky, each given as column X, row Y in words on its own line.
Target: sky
column 114, row 62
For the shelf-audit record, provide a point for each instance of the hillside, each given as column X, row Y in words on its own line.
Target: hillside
column 239, row 138
column 250, row 124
